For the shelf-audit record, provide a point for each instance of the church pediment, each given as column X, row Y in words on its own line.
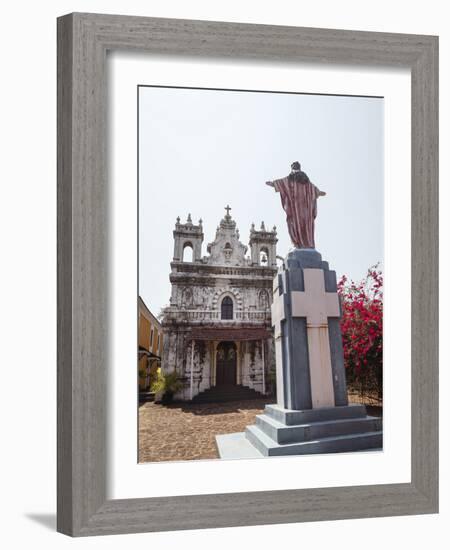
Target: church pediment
column 227, row 249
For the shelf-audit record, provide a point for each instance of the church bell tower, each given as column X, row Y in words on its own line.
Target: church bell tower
column 263, row 246
column 187, row 235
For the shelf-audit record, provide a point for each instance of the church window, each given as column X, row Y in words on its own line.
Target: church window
column 227, row 308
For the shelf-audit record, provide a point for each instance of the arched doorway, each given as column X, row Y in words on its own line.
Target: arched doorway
column 226, row 364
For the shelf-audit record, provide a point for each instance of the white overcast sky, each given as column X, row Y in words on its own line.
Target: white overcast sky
column 200, row 150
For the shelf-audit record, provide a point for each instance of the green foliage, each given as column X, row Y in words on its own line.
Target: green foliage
column 159, row 383
column 172, row 383
column 166, row 383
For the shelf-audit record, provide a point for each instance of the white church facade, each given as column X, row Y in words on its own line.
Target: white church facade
column 217, row 328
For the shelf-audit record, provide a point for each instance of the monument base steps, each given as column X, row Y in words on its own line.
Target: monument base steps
column 342, row 443
column 291, row 417
column 279, row 432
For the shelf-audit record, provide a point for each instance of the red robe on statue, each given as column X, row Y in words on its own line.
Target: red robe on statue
column 299, row 201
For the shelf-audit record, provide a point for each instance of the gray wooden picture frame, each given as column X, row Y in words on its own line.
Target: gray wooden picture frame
column 83, row 41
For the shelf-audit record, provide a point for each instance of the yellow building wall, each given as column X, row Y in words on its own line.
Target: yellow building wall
column 144, row 331
column 149, row 341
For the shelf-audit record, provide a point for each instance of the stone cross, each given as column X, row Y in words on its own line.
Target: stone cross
column 316, row 305
column 228, row 208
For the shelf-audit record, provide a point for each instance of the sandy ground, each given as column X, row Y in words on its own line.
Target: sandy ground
column 187, row 432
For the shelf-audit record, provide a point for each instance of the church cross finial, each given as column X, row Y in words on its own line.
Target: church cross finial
column 228, row 208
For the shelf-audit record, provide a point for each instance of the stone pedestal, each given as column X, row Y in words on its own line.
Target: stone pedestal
column 312, row 414
column 308, row 342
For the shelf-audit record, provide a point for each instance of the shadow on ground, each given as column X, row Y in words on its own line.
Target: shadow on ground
column 46, row 520
column 231, row 406
column 220, row 408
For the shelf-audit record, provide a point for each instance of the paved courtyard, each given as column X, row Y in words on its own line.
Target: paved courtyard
column 183, row 431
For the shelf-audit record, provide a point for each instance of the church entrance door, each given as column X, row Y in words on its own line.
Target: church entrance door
column 226, row 364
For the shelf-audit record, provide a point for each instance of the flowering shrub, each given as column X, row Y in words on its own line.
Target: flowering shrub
column 362, row 332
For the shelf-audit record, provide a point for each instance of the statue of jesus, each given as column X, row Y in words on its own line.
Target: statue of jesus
column 299, row 200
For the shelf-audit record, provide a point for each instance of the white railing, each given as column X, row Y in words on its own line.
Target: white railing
column 252, row 315
column 215, row 315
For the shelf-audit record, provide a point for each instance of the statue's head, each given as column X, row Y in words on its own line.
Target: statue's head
column 296, row 173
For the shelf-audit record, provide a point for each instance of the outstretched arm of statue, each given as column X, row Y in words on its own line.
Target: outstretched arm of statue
column 319, row 193
column 275, row 184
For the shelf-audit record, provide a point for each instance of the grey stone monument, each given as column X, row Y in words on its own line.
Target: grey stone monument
column 312, row 414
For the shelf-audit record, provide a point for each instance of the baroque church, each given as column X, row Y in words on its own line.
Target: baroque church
column 217, row 328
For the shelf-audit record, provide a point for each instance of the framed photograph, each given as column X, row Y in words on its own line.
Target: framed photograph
column 247, row 274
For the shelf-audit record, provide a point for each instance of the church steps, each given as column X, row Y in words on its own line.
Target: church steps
column 282, row 434
column 219, row 394
column 342, row 443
